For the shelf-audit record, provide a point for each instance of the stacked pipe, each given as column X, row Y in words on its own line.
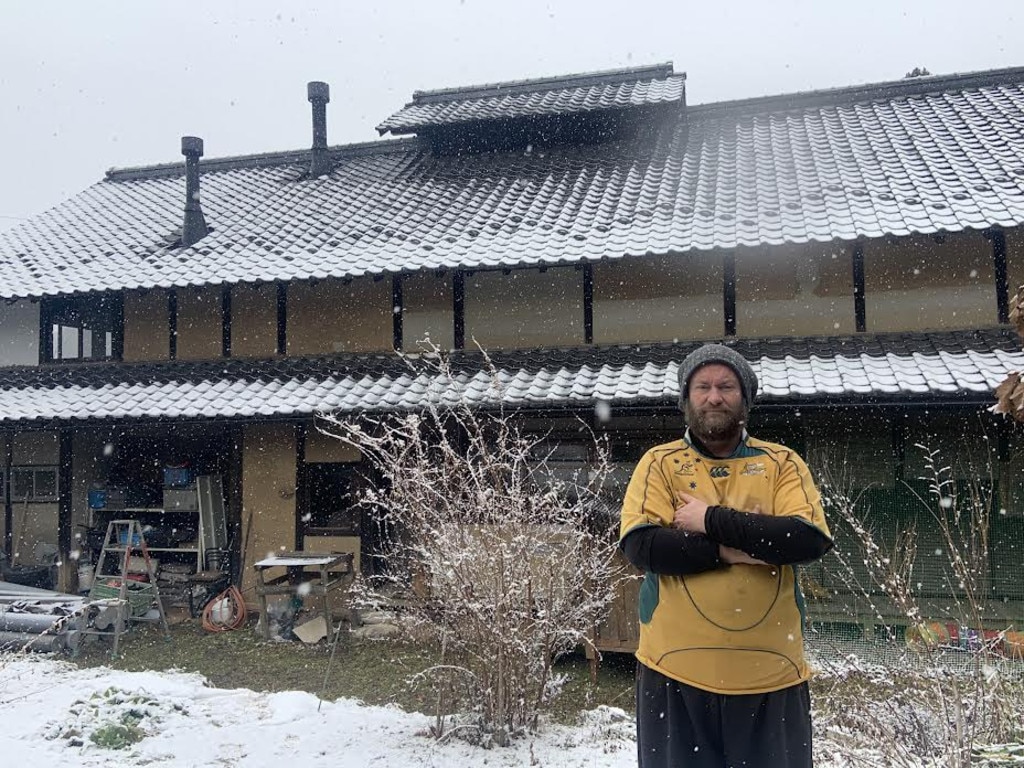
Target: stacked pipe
column 22, row 629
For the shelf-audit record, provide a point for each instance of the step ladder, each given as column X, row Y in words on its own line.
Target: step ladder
column 132, row 600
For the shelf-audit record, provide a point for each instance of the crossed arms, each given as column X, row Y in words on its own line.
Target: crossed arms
column 730, row 537
column 702, row 538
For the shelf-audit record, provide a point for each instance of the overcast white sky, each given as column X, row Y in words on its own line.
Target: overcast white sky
column 90, row 84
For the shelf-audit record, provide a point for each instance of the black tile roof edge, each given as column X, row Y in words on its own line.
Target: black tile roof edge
column 541, row 84
column 977, row 402
column 868, row 92
column 533, row 360
column 265, row 159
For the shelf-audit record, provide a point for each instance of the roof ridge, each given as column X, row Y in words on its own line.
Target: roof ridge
column 577, row 80
column 877, row 91
column 262, row 159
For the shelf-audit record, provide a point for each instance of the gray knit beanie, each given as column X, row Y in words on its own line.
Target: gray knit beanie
column 716, row 353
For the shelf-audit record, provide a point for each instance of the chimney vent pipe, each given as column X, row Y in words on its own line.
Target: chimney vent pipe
column 194, row 228
column 319, row 94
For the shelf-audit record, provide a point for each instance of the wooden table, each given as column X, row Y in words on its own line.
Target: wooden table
column 324, row 573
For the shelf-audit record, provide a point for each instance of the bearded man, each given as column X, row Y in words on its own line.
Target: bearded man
column 719, row 521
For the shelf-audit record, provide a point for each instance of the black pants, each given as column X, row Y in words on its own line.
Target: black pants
column 679, row 726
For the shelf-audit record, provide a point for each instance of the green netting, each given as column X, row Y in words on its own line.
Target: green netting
column 853, row 608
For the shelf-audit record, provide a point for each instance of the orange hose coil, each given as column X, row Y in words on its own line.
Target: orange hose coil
column 235, row 619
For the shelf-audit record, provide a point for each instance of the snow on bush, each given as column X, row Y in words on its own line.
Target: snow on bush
column 509, row 560
column 938, row 700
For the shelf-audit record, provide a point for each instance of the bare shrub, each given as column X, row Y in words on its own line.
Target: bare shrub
column 508, row 563
column 932, row 701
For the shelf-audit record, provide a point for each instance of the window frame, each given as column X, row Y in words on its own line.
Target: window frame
column 52, row 470
column 97, row 314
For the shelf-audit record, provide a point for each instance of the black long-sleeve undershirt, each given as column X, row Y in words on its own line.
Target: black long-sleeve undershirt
column 775, row 540
column 670, row 551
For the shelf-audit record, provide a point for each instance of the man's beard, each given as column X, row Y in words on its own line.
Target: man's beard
column 716, row 424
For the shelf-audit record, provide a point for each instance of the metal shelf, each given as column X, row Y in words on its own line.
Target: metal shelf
column 147, row 514
column 186, row 550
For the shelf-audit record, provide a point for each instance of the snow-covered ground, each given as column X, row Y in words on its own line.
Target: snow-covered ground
column 50, row 709
column 53, row 713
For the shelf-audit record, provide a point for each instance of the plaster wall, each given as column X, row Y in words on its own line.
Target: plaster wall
column 268, row 495
column 34, row 524
column 200, row 324
column 658, row 299
column 525, row 308
column 916, row 284
column 35, row 448
column 331, row 316
column 253, row 320
column 33, row 532
column 427, row 311
column 323, row 449
column 146, row 326
column 794, row 291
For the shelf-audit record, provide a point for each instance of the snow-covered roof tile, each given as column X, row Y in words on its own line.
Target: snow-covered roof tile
column 922, row 156
column 572, row 94
column 947, row 366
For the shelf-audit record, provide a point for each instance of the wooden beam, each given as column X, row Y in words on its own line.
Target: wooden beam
column 225, row 321
column 859, row 303
column 172, row 324
column 301, row 484
column 117, row 336
column 998, row 239
column 8, row 506
column 282, row 318
column 397, row 311
column 729, row 292
column 45, row 330
column 459, row 309
column 588, row 303
column 64, row 506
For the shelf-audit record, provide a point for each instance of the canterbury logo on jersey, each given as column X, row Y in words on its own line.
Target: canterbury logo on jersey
column 719, row 472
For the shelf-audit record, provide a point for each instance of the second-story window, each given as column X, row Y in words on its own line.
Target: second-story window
column 82, row 328
column 29, row 484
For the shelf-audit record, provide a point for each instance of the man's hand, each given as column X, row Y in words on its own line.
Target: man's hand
column 690, row 516
column 734, row 556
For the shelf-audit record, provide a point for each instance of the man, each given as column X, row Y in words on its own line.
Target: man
column 719, row 520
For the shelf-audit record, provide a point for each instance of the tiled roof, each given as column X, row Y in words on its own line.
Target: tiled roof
column 944, row 154
column 948, row 367
column 639, row 86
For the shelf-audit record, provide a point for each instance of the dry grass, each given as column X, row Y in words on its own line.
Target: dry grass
column 375, row 672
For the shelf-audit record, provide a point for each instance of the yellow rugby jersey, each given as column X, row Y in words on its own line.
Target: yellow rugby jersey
column 737, row 628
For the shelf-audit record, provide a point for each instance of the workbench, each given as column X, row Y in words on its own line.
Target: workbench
column 323, row 573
